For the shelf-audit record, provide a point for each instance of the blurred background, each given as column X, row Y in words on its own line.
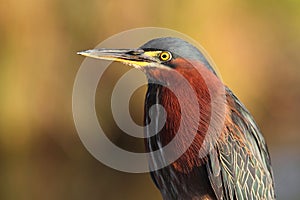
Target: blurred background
column 255, row 45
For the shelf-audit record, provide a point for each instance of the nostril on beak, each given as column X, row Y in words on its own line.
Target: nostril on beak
column 136, row 52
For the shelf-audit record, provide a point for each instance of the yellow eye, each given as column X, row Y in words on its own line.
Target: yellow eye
column 165, row 56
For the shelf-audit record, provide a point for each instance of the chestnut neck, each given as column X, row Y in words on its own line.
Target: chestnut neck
column 160, row 94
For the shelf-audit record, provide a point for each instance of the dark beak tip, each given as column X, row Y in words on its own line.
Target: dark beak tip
column 85, row 52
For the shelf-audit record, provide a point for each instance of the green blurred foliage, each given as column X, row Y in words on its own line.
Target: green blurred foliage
column 255, row 45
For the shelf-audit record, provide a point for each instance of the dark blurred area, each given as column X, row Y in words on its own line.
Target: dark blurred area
column 255, row 45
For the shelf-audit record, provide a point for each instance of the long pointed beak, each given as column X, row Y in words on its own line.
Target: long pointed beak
column 133, row 57
column 112, row 54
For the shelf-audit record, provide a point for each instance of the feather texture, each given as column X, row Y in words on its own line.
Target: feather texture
column 239, row 165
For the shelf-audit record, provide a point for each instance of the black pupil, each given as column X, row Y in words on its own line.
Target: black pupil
column 164, row 56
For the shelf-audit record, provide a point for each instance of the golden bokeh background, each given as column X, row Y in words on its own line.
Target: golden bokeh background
column 255, row 45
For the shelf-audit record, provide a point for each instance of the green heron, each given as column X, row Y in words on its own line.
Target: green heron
column 235, row 163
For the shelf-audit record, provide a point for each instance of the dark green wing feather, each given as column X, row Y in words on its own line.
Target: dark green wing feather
column 239, row 165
